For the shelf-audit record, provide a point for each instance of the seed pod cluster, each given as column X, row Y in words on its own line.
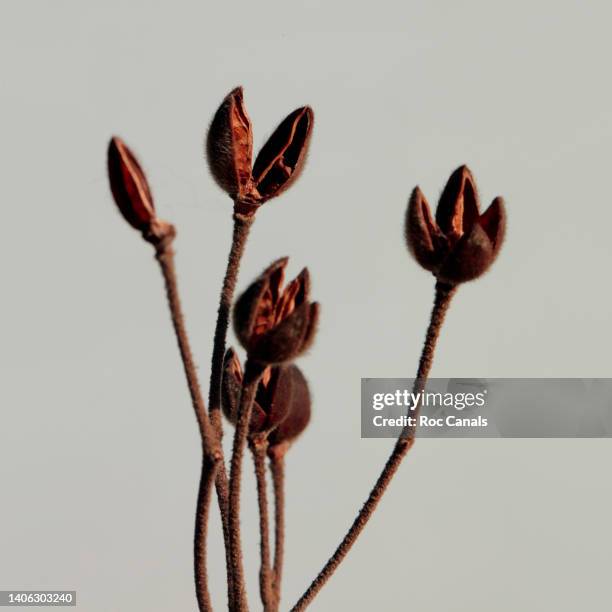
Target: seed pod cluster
column 281, row 410
column 229, row 150
column 276, row 324
column 460, row 244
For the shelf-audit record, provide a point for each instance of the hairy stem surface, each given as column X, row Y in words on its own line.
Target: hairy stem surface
column 252, row 376
column 443, row 297
column 210, row 447
column 266, row 591
column 242, row 225
column 277, row 467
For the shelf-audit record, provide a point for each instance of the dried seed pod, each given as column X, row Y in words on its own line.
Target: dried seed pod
column 229, row 146
column 231, row 383
column 132, row 194
column 272, row 401
column 299, row 412
column 282, row 157
column 274, row 324
column 461, row 244
column 129, row 186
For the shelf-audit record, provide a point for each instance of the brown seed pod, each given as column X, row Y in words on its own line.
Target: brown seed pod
column 274, row 324
column 129, row 185
column 229, row 150
column 229, row 146
column 132, row 194
column 272, row 401
column 299, row 413
column 461, row 244
column 282, row 157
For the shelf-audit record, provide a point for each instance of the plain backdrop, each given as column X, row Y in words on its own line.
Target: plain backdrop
column 99, row 452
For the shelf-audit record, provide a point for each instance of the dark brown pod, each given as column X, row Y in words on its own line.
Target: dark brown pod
column 129, row 186
column 276, row 324
column 282, row 157
column 254, row 309
column 461, row 244
column 425, row 240
column 272, row 401
column 231, row 383
column 458, row 205
column 469, row 259
column 299, row 413
column 274, row 397
column 229, row 146
column 289, row 338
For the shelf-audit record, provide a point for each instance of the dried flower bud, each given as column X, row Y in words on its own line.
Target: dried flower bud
column 272, row 401
column 274, row 324
column 131, row 192
column 299, row 412
column 461, row 244
column 129, row 185
column 282, row 158
column 229, row 146
column 229, row 149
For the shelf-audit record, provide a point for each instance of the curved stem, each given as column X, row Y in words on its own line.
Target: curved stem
column 252, row 376
column 443, row 296
column 277, row 467
column 210, row 446
column 259, row 446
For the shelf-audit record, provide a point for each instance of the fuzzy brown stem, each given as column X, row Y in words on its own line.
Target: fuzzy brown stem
column 259, row 446
column 252, row 376
column 443, row 296
column 210, row 446
column 241, row 227
column 277, row 467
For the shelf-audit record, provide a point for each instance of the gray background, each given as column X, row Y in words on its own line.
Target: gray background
column 98, row 444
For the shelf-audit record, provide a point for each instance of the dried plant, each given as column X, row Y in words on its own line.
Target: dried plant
column 268, row 400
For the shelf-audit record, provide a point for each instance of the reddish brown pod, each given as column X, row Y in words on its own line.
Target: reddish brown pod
column 275, row 324
column 131, row 191
column 272, row 401
column 229, row 150
column 298, row 416
column 460, row 244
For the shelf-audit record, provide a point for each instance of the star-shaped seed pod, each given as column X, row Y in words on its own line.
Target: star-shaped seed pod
column 131, row 192
column 461, row 244
column 272, row 401
column 229, row 150
column 276, row 324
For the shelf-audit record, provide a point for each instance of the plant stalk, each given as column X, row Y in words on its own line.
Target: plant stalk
column 259, row 447
column 211, row 450
column 442, row 300
column 252, row 376
column 277, row 467
column 240, row 232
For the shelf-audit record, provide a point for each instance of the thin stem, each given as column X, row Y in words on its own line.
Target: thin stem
column 209, row 472
column 277, row 467
column 242, row 225
column 443, row 296
column 240, row 233
column 210, row 447
column 259, row 447
column 252, row 376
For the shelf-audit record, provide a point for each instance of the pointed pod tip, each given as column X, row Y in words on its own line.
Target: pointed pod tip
column 464, row 170
column 304, row 275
